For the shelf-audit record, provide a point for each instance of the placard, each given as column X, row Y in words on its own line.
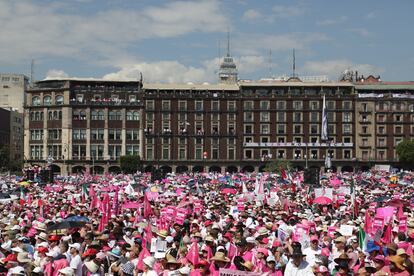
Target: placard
column 346, row 230
column 229, row 272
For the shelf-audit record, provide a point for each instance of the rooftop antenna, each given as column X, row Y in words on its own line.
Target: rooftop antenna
column 270, row 63
column 294, row 64
column 228, row 42
column 32, row 72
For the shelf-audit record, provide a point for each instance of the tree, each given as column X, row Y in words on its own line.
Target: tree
column 277, row 165
column 130, row 163
column 405, row 151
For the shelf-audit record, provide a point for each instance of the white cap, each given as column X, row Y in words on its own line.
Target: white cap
column 17, row 270
column 17, row 249
column 77, row 246
column 185, row 270
column 67, row 271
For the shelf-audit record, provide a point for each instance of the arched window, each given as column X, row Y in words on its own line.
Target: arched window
column 135, row 116
column 59, row 99
column 47, row 100
column 55, row 115
column 129, row 116
column 50, row 115
column 101, row 115
column 32, row 116
column 36, row 100
column 75, row 115
column 118, row 115
column 94, row 115
column 41, row 115
column 83, row 115
column 115, row 115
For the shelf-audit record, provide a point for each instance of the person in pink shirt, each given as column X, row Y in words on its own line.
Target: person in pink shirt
column 60, row 262
column 260, row 264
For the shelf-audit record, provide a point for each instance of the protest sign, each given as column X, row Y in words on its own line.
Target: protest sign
column 346, row 230
column 229, row 272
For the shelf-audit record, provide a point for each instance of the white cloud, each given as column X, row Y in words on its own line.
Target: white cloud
column 362, row 32
column 54, row 74
column 328, row 22
column 38, row 31
column 333, row 68
column 252, row 14
column 176, row 72
column 287, row 11
column 371, row 15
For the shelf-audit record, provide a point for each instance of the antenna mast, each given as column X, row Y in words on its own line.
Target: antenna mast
column 294, row 64
column 270, row 63
column 32, row 72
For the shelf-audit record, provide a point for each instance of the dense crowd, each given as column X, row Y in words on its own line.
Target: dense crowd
column 208, row 224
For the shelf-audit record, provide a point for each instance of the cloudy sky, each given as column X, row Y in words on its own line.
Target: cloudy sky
column 181, row 41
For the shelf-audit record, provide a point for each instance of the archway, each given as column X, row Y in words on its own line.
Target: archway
column 198, row 169
column 262, row 168
column 97, row 170
column 248, row 169
column 181, row 169
column 166, row 169
column 78, row 169
column 55, row 169
column 149, row 168
column 114, row 170
column 231, row 169
column 347, row 169
column 215, row 169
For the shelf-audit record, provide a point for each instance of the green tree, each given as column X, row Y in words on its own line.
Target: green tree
column 276, row 165
column 130, row 163
column 405, row 151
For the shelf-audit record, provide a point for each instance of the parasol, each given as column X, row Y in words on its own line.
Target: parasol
column 322, row 200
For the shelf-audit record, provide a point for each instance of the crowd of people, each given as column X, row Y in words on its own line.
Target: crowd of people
column 208, row 224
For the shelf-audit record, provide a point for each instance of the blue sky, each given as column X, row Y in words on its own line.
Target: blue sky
column 178, row 41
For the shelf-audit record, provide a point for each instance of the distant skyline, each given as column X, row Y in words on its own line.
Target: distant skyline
column 180, row 41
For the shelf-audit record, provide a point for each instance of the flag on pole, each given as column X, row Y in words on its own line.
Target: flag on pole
column 362, row 239
column 324, row 132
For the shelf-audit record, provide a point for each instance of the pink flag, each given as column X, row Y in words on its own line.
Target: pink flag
column 147, row 207
column 232, row 251
column 400, row 212
column 144, row 253
column 192, row 254
column 388, row 234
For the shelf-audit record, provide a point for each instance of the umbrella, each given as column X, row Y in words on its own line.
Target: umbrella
column 77, row 219
column 66, row 225
column 322, row 200
column 229, row 191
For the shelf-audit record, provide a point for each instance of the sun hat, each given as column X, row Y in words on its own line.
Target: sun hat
column 7, row 245
column 220, row 257
column 401, row 252
column 40, row 226
column 398, row 261
column 37, row 270
column 340, row 239
column 77, row 246
column 271, row 258
column 90, row 252
column 92, row 266
column 18, row 270
column 41, row 236
column 264, row 251
column 67, row 271
column 149, row 261
column 17, row 249
column 171, row 260
column 23, row 257
column 249, row 265
column 162, row 233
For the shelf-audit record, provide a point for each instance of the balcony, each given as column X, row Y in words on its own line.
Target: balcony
column 105, row 103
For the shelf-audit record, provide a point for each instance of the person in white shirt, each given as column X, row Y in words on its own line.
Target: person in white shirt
column 312, row 251
column 297, row 266
column 76, row 260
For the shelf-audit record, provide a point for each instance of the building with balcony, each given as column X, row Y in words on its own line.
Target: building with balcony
column 83, row 125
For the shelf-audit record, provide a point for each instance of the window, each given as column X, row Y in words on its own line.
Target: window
column 231, row 117
column 347, row 129
column 281, row 105
column 132, row 98
column 381, row 130
column 248, row 116
column 314, row 105
column 381, row 155
column 398, row 130
column 298, row 154
column 281, row 154
column 215, row 153
column 381, row 142
column 347, row 117
column 132, row 116
column 231, row 153
column 199, row 105
column 97, row 134
column 264, row 129
column 55, row 151
column 114, row 152
column 248, row 154
column 365, row 155
column 314, row 117
column 280, row 139
column 331, row 129
column 215, row 128
column 79, row 98
column 398, row 118
column 330, row 116
column 280, row 129
column 314, row 154
column 132, row 134
column 248, row 105
column 281, row 117
column 36, row 134
column 150, row 153
column 114, row 134
column 231, row 106
column 166, row 105
column 347, row 140
column 59, row 99
column 198, row 153
column 35, row 101
column 97, row 115
column 182, row 154
column 79, row 134
column 347, row 105
column 297, row 129
column 330, row 105
column 182, row 105
column 54, row 115
column 297, row 105
column 215, row 106
column 248, row 129
column 115, row 115
column 364, row 130
column 264, row 105
column 97, row 152
column 47, row 100
column 264, row 116
column 54, row 134
column 36, row 152
column 297, row 117
column 78, row 152
column 149, row 105
column 347, row 154
column 314, row 129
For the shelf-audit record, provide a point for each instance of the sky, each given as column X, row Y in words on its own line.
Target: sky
column 183, row 41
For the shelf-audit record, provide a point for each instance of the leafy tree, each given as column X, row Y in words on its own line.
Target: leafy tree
column 277, row 165
column 405, row 151
column 130, row 163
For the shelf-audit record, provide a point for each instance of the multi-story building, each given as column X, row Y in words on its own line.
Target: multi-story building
column 83, row 125
column 230, row 126
column 12, row 90
column 385, row 117
column 11, row 134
